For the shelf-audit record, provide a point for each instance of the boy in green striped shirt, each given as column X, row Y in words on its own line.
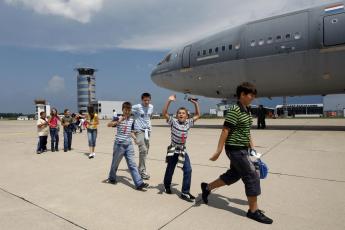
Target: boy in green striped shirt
column 236, row 138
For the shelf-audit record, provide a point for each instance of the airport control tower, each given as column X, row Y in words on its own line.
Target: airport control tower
column 86, row 85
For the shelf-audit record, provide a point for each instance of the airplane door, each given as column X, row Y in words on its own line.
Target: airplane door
column 334, row 29
column 186, row 57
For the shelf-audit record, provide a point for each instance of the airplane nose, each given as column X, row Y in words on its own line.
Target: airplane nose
column 155, row 76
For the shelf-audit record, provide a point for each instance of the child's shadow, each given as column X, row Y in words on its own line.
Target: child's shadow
column 124, row 180
column 161, row 189
column 222, row 202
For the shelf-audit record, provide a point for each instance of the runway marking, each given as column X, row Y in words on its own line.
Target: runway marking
column 280, row 142
column 40, row 207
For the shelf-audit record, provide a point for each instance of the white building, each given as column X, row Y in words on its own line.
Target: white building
column 41, row 106
column 22, row 118
column 105, row 108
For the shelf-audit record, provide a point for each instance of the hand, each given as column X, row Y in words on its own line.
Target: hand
column 193, row 100
column 215, row 156
column 172, row 98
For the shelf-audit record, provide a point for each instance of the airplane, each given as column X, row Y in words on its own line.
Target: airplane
column 295, row 54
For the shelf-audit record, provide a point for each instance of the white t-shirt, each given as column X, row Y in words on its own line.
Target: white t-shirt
column 43, row 131
column 142, row 116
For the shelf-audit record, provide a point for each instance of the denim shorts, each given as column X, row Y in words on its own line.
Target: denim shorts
column 241, row 167
column 91, row 136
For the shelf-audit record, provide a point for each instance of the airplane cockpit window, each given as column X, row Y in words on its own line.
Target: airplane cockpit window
column 210, row 51
column 252, row 43
column 166, row 59
column 230, row 47
column 288, row 36
column 279, row 37
column 270, row 40
column 216, row 50
column 223, row 48
column 297, row 36
column 261, row 42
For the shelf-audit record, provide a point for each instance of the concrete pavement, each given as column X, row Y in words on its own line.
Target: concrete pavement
column 59, row 190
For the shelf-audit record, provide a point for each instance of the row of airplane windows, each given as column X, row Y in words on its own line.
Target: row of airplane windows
column 217, row 49
column 253, row 43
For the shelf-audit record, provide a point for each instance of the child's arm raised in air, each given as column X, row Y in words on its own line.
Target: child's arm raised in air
column 197, row 109
column 166, row 106
column 221, row 143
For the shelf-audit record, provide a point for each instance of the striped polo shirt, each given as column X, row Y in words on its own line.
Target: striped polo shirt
column 179, row 131
column 239, row 121
column 142, row 116
column 124, row 129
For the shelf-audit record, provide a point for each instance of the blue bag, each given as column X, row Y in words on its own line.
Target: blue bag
column 263, row 169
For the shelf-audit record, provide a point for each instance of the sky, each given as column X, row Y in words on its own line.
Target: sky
column 41, row 42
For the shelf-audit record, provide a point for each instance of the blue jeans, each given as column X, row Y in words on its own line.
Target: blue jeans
column 126, row 150
column 67, row 139
column 54, row 137
column 42, row 143
column 187, row 172
column 91, row 136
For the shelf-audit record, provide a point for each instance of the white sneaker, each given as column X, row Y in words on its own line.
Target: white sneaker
column 91, row 155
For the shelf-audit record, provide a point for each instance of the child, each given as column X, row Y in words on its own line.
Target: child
column 237, row 140
column 177, row 150
column 91, row 124
column 67, row 123
column 142, row 114
column 42, row 130
column 54, row 130
column 123, row 147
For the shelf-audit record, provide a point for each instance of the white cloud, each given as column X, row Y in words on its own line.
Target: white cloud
column 79, row 10
column 134, row 24
column 56, row 85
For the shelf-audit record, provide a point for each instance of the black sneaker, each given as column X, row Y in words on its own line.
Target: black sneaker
column 111, row 181
column 187, row 197
column 38, row 152
column 167, row 190
column 57, row 150
column 259, row 216
column 204, row 192
column 142, row 186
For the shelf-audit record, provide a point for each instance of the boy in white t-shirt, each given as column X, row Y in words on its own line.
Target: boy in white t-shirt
column 42, row 130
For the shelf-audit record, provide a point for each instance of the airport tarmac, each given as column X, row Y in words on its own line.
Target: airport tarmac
column 64, row 190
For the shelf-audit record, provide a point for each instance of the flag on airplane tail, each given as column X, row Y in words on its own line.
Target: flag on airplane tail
column 335, row 8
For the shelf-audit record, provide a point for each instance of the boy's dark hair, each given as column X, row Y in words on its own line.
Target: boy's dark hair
column 126, row 105
column 65, row 111
column 51, row 112
column 42, row 113
column 183, row 108
column 245, row 88
column 145, row 95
